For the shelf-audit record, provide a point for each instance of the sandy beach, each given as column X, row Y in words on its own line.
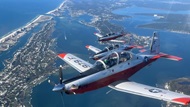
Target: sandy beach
column 12, row 37
column 56, row 10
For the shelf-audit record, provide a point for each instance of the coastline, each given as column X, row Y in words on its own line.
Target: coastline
column 168, row 30
column 60, row 7
column 12, row 37
column 9, row 40
column 35, row 19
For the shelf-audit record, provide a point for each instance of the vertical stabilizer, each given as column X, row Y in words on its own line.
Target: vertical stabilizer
column 131, row 40
column 155, row 44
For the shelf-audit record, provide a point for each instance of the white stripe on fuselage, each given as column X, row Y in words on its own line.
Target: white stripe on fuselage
column 105, row 73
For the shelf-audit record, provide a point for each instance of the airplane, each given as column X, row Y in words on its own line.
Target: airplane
column 113, row 70
column 101, row 53
column 110, row 37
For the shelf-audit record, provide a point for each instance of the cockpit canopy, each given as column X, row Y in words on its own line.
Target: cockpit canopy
column 109, row 34
column 112, row 59
column 109, row 48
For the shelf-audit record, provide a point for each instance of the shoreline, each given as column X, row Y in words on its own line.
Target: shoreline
column 13, row 31
column 12, row 37
column 28, row 24
column 60, row 7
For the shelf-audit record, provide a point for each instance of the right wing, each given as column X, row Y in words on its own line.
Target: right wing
column 77, row 63
column 151, row 92
column 92, row 48
column 117, row 41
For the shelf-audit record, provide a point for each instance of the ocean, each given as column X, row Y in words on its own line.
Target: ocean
column 78, row 36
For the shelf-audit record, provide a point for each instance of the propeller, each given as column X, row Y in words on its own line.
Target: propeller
column 60, row 74
column 60, row 87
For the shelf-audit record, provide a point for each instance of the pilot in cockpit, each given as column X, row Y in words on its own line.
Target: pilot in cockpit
column 124, row 56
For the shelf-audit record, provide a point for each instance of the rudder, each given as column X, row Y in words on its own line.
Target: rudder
column 155, row 44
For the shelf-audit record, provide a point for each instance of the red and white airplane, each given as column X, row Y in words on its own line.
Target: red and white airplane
column 101, row 53
column 110, row 37
column 113, row 71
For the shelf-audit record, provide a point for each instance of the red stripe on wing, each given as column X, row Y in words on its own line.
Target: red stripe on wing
column 87, row 46
column 62, row 55
column 185, row 101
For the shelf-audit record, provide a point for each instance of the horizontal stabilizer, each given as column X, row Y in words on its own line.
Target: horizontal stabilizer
column 117, row 41
column 92, row 48
column 171, row 57
column 151, row 92
column 167, row 56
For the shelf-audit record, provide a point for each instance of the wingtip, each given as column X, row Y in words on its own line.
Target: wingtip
column 87, row 46
column 62, row 55
column 179, row 59
column 184, row 101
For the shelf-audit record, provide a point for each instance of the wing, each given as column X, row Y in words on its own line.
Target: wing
column 98, row 35
column 77, row 63
column 117, row 41
column 92, row 48
column 151, row 92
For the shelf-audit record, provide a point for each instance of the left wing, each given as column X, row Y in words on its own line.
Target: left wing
column 151, row 92
column 98, row 35
column 77, row 63
column 94, row 49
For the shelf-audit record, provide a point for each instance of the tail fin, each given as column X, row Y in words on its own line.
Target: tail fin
column 131, row 40
column 155, row 49
column 155, row 44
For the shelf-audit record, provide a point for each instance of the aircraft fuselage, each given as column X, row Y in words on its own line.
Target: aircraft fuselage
column 109, row 37
column 105, row 77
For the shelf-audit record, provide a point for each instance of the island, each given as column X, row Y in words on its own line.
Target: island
column 180, row 85
column 175, row 18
